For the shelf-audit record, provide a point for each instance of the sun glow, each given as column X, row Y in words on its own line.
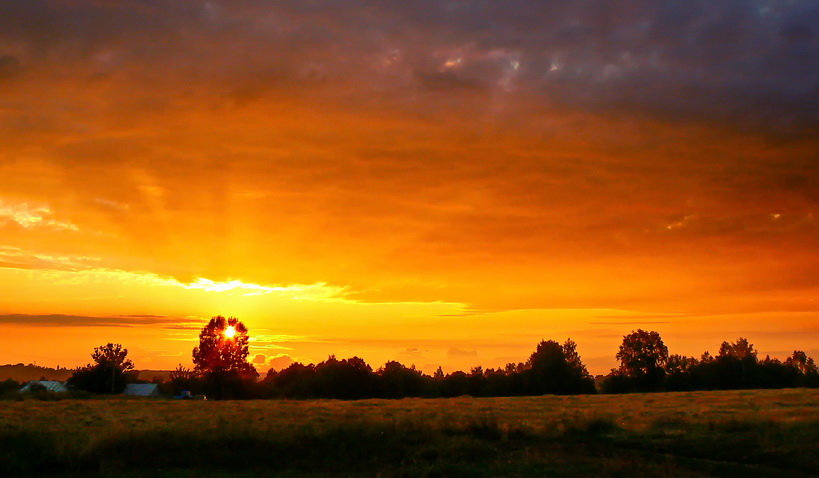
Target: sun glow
column 230, row 332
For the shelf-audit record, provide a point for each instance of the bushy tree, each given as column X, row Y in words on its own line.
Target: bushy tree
column 295, row 381
column 801, row 362
column 221, row 358
column 108, row 374
column 455, row 384
column 739, row 350
column 346, row 379
column 557, row 369
column 398, row 381
column 8, row 386
column 807, row 373
column 735, row 364
column 643, row 356
column 582, row 380
column 113, row 355
column 678, row 372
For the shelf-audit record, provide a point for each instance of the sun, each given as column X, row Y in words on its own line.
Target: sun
column 230, row 331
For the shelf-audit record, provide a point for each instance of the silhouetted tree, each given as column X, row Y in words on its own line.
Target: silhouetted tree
column 109, row 373
column 181, row 373
column 221, row 358
column 346, row 379
column 113, row 355
column 735, row 365
column 807, row 373
column 439, row 374
column 295, row 381
column 581, row 379
column 643, row 357
column 398, row 381
column 455, row 384
column 551, row 369
column 496, row 383
column 740, row 350
column 555, row 368
column 678, row 372
column 182, row 379
column 801, row 362
column 573, row 358
column 617, row 382
column 9, row 385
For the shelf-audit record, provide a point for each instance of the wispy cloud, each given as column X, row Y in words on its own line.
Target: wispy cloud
column 32, row 217
column 17, row 258
column 82, row 268
column 318, row 291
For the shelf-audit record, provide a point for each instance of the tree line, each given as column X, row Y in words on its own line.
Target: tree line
column 552, row 368
column 221, row 370
column 646, row 366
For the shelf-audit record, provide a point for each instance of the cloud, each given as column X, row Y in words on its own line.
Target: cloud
column 750, row 61
column 62, row 320
column 412, row 355
column 459, row 352
column 16, row 258
column 87, row 268
column 9, row 67
column 32, row 217
column 320, row 291
column 280, row 362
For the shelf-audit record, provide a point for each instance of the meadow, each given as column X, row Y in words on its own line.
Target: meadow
column 719, row 433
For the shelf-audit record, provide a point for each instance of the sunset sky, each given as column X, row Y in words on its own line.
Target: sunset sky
column 438, row 182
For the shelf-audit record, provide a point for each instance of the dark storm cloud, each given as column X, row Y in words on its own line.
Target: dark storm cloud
column 9, row 66
column 750, row 62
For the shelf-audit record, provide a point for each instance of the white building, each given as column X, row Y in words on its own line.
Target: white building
column 141, row 390
column 48, row 385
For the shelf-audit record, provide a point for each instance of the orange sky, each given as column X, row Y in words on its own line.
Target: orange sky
column 434, row 183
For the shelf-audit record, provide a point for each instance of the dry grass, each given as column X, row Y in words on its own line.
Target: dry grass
column 634, row 412
column 726, row 429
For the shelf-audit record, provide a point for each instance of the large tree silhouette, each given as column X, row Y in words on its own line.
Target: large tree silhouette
column 108, row 374
column 643, row 357
column 221, row 356
column 555, row 368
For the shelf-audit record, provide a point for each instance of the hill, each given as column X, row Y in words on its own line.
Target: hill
column 27, row 372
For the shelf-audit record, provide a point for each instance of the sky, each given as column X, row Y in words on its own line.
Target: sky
column 436, row 182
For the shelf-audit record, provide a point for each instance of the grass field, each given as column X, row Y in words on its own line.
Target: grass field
column 735, row 433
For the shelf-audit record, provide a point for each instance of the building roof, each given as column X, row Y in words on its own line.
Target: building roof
column 50, row 385
column 141, row 390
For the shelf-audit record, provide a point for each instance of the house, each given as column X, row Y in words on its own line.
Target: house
column 141, row 390
column 48, row 385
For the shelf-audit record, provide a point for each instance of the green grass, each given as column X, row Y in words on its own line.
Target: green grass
column 738, row 433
